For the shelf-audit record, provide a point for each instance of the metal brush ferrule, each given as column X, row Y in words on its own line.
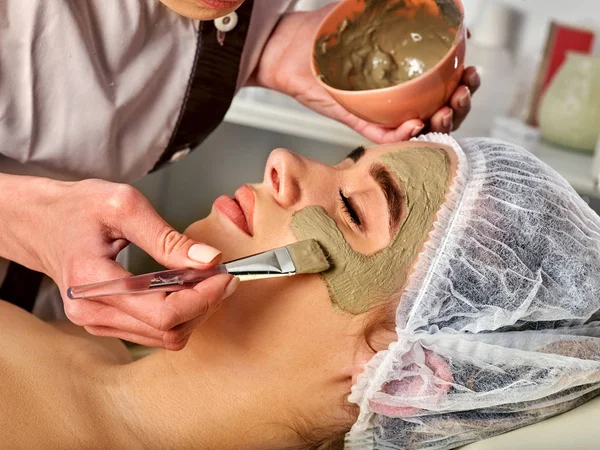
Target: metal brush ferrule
column 274, row 263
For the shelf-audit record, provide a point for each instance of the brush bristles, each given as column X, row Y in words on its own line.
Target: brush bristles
column 308, row 256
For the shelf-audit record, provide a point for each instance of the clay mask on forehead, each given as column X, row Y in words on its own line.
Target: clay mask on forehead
column 357, row 282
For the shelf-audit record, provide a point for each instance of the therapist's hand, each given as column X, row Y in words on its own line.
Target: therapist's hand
column 73, row 233
column 285, row 67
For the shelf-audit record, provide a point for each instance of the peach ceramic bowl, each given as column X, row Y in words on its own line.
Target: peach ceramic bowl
column 418, row 98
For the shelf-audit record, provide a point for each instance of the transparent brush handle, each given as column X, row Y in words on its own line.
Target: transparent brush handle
column 163, row 281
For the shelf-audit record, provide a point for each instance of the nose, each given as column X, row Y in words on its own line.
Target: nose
column 283, row 174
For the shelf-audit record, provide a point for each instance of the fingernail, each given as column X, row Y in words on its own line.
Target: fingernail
column 474, row 79
column 447, row 121
column 231, row 287
column 416, row 130
column 464, row 99
column 203, row 253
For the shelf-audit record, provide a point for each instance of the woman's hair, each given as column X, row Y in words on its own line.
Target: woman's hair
column 334, row 441
column 325, row 438
column 380, row 318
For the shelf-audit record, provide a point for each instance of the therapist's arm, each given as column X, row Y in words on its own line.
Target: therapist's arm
column 285, row 66
column 73, row 231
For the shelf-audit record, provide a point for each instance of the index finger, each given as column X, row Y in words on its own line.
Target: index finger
column 471, row 79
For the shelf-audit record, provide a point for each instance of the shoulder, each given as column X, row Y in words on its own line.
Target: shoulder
column 22, row 332
column 111, row 349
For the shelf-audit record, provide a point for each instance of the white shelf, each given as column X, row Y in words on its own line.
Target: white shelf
column 277, row 113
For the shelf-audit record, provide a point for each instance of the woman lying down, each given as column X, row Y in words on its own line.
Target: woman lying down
column 462, row 303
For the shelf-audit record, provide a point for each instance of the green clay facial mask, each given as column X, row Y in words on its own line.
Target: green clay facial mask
column 385, row 45
column 357, row 282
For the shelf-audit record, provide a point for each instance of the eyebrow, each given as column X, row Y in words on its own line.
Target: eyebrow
column 392, row 193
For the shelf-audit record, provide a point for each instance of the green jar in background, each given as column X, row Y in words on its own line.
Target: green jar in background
column 569, row 113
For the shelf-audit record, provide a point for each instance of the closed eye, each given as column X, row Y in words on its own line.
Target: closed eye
column 350, row 210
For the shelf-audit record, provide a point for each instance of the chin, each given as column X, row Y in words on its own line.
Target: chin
column 192, row 10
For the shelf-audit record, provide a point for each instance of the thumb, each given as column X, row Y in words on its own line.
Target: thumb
column 166, row 245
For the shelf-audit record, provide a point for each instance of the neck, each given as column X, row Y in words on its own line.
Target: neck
column 197, row 398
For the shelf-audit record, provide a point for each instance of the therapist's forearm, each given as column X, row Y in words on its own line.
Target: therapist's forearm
column 276, row 43
column 25, row 208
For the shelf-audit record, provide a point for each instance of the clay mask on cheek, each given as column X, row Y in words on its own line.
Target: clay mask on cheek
column 357, row 282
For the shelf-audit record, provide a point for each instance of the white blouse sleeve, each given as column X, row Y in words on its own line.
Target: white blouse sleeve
column 265, row 15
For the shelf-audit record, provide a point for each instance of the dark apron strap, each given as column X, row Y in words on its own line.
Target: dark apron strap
column 212, row 84
column 20, row 286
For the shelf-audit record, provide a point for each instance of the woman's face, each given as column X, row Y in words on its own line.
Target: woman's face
column 203, row 9
column 291, row 320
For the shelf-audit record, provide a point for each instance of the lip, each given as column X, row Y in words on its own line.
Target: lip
column 220, row 4
column 232, row 210
column 245, row 198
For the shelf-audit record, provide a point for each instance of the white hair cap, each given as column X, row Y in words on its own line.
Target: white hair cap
column 499, row 325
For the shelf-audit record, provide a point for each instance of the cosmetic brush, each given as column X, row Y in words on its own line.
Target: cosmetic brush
column 297, row 258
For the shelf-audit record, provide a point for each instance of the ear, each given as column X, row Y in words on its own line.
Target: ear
column 380, row 340
column 424, row 374
column 358, row 368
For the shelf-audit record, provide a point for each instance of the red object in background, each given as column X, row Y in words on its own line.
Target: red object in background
column 566, row 39
column 561, row 39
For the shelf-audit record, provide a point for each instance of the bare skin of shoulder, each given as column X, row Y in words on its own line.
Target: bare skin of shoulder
column 50, row 378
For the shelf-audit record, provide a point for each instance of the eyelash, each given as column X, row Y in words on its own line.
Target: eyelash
column 349, row 210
